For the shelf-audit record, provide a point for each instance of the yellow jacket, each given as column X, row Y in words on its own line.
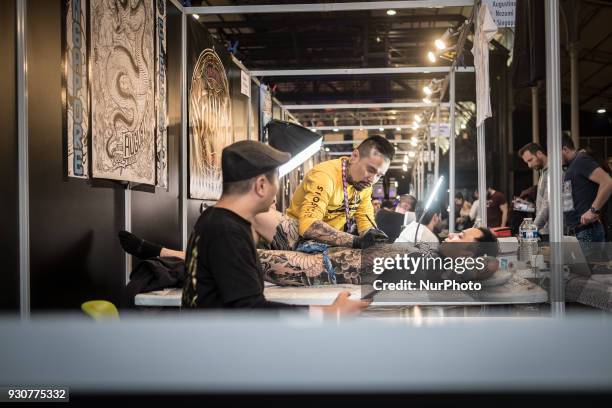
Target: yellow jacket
column 321, row 197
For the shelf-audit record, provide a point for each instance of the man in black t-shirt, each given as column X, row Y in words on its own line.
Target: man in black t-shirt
column 223, row 269
column 497, row 208
column 586, row 189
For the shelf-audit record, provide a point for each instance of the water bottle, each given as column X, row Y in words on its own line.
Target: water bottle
column 528, row 240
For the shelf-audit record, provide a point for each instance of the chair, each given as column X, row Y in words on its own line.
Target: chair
column 100, row 310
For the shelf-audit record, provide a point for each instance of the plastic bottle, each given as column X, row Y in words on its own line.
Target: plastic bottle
column 528, row 239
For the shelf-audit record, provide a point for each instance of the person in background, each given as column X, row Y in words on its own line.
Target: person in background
column 407, row 203
column 535, row 157
column 388, row 205
column 426, row 230
column 475, row 210
column 462, row 212
column 497, row 209
column 586, row 190
column 458, row 202
column 464, row 221
column 376, row 204
column 392, row 218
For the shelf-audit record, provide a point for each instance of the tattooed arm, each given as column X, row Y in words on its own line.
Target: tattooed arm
column 322, row 232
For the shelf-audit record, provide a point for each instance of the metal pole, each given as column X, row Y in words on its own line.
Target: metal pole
column 418, row 172
column 422, row 164
column 184, row 129
column 127, row 225
column 360, row 127
column 437, row 145
column 510, row 141
column 361, row 105
column 451, row 155
column 418, row 181
column 356, row 71
column 417, row 169
column 249, row 116
column 482, row 174
column 481, row 154
column 23, row 162
column 327, row 7
column 428, row 149
column 573, row 52
column 535, row 124
column 553, row 135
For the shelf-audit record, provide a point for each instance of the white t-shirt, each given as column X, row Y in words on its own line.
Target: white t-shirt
column 425, row 235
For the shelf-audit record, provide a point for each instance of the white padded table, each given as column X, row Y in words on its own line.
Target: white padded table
column 514, row 290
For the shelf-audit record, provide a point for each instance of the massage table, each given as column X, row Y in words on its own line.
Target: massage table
column 501, row 288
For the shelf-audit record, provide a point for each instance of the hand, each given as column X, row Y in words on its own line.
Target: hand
column 343, row 306
column 588, row 217
column 370, row 237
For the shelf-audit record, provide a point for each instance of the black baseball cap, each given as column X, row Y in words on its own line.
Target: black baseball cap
column 246, row 159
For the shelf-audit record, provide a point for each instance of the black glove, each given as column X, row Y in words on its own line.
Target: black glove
column 370, row 237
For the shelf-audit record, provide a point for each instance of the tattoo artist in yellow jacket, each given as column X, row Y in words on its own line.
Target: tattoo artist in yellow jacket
column 333, row 195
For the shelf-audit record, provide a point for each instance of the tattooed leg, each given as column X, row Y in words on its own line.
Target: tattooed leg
column 290, row 268
column 347, row 264
column 286, row 235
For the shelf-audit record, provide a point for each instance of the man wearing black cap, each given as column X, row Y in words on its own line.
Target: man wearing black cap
column 223, row 269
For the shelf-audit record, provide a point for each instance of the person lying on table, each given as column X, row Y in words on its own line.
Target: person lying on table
column 350, row 266
column 222, row 266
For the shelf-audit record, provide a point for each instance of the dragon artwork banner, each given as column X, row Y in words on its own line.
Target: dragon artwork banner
column 161, row 141
column 122, row 90
column 210, row 116
column 76, row 114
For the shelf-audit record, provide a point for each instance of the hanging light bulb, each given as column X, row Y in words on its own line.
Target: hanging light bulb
column 431, row 56
column 442, row 41
column 391, row 12
column 405, row 159
column 415, row 125
column 427, row 90
column 426, row 100
column 196, row 16
column 411, row 154
column 404, row 167
column 414, row 141
column 336, row 130
column 417, row 118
